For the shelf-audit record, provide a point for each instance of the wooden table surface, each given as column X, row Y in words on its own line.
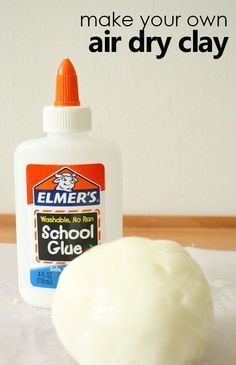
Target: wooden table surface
column 217, row 233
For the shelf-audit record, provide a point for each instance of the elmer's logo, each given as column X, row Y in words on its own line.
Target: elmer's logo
column 66, row 188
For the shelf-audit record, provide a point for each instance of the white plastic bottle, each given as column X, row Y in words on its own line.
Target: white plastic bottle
column 68, row 192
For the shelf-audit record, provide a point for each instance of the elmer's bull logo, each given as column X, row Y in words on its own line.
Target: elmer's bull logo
column 66, row 188
column 65, row 182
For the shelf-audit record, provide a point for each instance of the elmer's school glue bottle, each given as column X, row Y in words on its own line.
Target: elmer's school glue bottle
column 68, row 192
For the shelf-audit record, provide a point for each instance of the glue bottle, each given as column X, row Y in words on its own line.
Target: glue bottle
column 67, row 189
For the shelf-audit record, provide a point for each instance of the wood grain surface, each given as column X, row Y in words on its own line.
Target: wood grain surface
column 217, row 233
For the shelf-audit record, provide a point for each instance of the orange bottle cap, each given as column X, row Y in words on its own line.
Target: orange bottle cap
column 67, row 93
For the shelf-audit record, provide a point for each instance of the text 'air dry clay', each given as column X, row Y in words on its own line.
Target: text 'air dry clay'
column 68, row 192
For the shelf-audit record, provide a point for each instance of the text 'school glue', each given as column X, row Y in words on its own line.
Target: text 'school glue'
column 68, row 192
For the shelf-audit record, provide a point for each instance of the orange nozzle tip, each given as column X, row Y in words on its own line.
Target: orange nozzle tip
column 67, row 93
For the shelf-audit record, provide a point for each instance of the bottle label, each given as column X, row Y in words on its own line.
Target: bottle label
column 66, row 209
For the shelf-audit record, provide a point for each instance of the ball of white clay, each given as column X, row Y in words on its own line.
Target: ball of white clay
column 133, row 301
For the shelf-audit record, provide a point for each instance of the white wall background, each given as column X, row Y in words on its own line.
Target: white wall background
column 175, row 119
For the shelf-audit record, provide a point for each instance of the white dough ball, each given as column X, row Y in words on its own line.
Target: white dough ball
column 133, row 301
